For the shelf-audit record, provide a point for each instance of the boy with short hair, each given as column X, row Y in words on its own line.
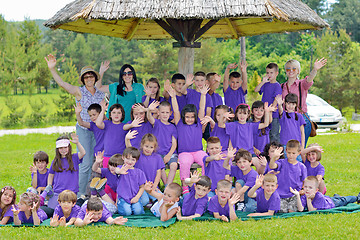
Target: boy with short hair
column 267, row 198
column 177, row 82
column 39, row 171
column 235, row 85
column 292, row 174
column 95, row 211
column 213, row 80
column 245, row 177
column 195, row 202
column 221, row 206
column 66, row 212
column 270, row 88
column 314, row 200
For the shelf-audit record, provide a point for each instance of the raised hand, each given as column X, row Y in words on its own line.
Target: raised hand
column 167, row 84
column 234, row 199
column 204, row 89
column 294, row 191
column 205, row 120
column 278, row 153
column 319, row 63
column 148, row 186
column 120, row 220
column 189, row 79
column 104, row 67
column 243, row 66
column 138, row 107
column 123, row 170
column 147, row 91
column 33, row 168
column 279, row 99
column 99, row 156
column 88, row 218
column 219, row 156
column 54, row 221
column 232, row 66
column 259, row 180
column 153, row 105
column 231, row 152
column 14, row 210
column 78, row 108
column 51, row 61
column 194, row 176
column 131, row 134
column 265, row 79
column 262, row 160
column 228, row 115
column 171, row 91
column 137, row 122
column 272, row 108
column 62, row 222
column 74, row 138
column 217, row 78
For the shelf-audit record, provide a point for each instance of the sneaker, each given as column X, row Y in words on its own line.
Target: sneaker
column 240, row 206
column 358, row 198
column 101, row 185
column 49, row 191
column 93, row 183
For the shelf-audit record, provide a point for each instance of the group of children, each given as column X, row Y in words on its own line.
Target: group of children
column 241, row 168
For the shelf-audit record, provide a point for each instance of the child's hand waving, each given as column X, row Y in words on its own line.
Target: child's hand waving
column 294, row 191
column 152, row 107
column 78, row 108
column 259, row 180
column 74, row 138
column 189, row 79
column 131, row 134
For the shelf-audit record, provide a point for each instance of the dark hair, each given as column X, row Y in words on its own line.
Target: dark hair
column 209, row 75
column 189, row 108
column 258, row 104
column 165, row 104
column 57, row 166
column 41, row 156
column 176, row 187
column 120, row 87
column 155, row 80
column 244, row 108
column 5, row 209
column 131, row 152
column 200, row 73
column 204, row 181
column 293, row 144
column 94, row 204
column 93, row 73
column 116, row 160
column 117, row 106
column 242, row 153
column 267, row 148
column 291, row 98
column 273, row 66
column 234, row 75
column 223, row 107
column 213, row 140
column 95, row 106
column 132, row 112
column 177, row 76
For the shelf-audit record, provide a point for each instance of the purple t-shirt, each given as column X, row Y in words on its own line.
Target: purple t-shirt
column 129, row 184
column 290, row 128
column 193, row 206
column 66, row 180
column 8, row 213
column 41, row 214
column 74, row 212
column 221, row 134
column 114, row 138
column 145, row 128
column 149, row 165
column 99, row 137
column 189, row 137
column 320, row 201
column 234, row 97
column 216, row 100
column 290, row 176
column 260, row 139
column 318, row 170
column 242, row 135
column 41, row 178
column 249, row 178
column 105, row 214
column 269, row 91
column 215, row 171
column 181, row 100
column 161, row 99
column 214, row 206
column 193, row 97
column 112, row 179
column 264, row 205
column 164, row 134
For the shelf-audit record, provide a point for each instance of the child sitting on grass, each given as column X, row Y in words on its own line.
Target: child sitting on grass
column 28, row 210
column 39, row 171
column 195, row 202
column 66, row 212
column 267, row 198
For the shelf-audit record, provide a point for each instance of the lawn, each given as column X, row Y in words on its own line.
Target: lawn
column 341, row 161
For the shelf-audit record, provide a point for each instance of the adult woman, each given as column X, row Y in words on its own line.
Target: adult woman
column 301, row 87
column 85, row 95
column 127, row 91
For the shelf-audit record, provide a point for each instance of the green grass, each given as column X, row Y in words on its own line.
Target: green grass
column 340, row 158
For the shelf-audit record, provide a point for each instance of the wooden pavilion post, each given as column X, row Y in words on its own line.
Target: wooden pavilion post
column 186, row 58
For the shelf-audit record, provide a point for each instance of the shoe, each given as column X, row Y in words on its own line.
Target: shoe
column 358, row 198
column 49, row 191
column 94, row 182
column 101, row 185
column 185, row 190
column 240, row 206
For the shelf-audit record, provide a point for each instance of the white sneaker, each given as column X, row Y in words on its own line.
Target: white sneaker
column 240, row 206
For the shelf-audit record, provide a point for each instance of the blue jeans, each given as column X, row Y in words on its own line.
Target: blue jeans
column 87, row 140
column 145, row 198
column 127, row 209
column 343, row 201
column 307, row 128
column 274, row 133
column 250, row 203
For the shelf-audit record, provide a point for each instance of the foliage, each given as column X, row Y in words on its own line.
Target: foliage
column 16, row 112
column 253, row 96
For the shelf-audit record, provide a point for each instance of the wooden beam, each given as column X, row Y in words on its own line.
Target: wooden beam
column 232, row 28
column 206, row 27
column 133, row 29
column 169, row 29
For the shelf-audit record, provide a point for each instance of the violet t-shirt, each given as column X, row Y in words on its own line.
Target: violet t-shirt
column 260, row 139
column 320, row 201
column 112, row 179
column 221, row 134
column 215, row 171
column 114, row 138
column 149, row 165
column 193, row 97
column 269, row 91
column 189, row 137
column 234, row 97
column 181, row 100
column 248, row 178
column 105, row 213
column 129, row 184
column 8, row 213
column 290, row 176
column 290, row 128
column 214, row 206
column 193, row 206
column 242, row 135
column 66, row 180
column 41, row 178
column 41, row 214
column 74, row 212
column 99, row 137
column 164, row 134
column 264, row 205
column 216, row 100
column 318, row 170
column 145, row 128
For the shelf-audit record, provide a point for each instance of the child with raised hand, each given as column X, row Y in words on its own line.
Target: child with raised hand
column 189, row 130
column 245, row 177
column 130, row 185
column 39, row 171
column 291, row 174
column 66, row 212
column 314, row 200
column 235, row 85
column 195, row 202
column 28, row 211
column 168, row 202
column 114, row 136
column 177, row 82
column 269, row 152
column 94, row 211
column 213, row 79
column 166, row 135
column 152, row 92
column 222, row 205
column 267, row 198
column 7, row 199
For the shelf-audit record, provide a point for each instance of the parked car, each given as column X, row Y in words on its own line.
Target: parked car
column 325, row 115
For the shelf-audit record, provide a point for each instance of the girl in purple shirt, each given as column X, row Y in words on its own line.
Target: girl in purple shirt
column 28, row 210
column 7, row 199
column 152, row 91
column 261, row 136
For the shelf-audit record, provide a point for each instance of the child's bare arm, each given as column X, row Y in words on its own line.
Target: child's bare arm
column 174, row 104
column 130, row 135
column 266, row 117
column 264, row 80
column 299, row 205
column 33, row 170
column 81, row 149
column 280, row 102
column 277, row 154
column 202, row 103
column 165, row 215
column 16, row 215
column 118, row 220
column 226, row 75
column 172, row 150
column 230, row 155
column 152, row 107
column 302, row 136
column 99, row 157
column 221, row 217
column 232, row 201
column 71, row 221
column 50, row 179
column 78, row 110
column 181, row 218
column 189, row 80
column 138, row 195
column 268, row 213
column 157, row 179
column 243, row 67
column 258, row 183
column 309, row 203
column 100, row 119
column 148, row 187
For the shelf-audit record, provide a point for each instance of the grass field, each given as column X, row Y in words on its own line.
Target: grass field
column 341, row 161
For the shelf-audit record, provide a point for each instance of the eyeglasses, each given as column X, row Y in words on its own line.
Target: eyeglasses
column 89, row 76
column 128, row 73
column 291, row 69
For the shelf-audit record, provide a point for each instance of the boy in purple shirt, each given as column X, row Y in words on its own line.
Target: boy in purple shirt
column 94, row 211
column 39, row 171
column 245, row 177
column 66, row 212
column 177, row 82
column 270, row 88
column 292, row 174
column 267, row 198
column 221, row 206
column 314, row 200
column 195, row 202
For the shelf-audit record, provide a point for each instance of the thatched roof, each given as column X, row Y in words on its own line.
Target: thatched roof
column 237, row 17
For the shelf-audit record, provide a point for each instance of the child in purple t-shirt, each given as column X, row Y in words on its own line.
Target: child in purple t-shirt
column 28, row 210
column 261, row 136
column 152, row 92
column 268, row 153
column 66, row 212
column 177, row 82
column 39, row 171
column 195, row 202
column 7, row 199
column 213, row 80
column 94, row 211
column 222, row 205
column 267, row 198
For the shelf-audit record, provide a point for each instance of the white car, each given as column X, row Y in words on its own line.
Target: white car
column 325, row 115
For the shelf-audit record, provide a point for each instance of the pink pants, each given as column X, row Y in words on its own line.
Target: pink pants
column 108, row 190
column 188, row 158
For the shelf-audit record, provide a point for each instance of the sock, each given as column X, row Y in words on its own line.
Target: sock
column 93, row 192
column 102, row 193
